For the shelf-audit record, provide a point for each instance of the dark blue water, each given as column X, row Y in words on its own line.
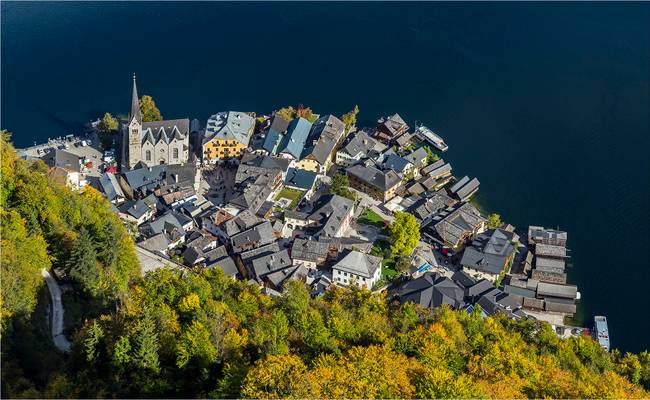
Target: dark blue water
column 547, row 104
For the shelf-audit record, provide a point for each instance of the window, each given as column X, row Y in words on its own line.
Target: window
column 147, row 155
column 175, row 153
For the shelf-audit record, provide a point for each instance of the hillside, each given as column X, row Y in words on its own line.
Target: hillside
column 202, row 334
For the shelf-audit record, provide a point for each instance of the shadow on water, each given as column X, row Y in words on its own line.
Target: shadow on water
column 69, row 127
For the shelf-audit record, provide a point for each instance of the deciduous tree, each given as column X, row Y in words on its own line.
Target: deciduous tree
column 149, row 110
column 404, row 234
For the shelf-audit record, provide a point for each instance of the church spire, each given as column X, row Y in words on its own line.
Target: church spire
column 135, row 104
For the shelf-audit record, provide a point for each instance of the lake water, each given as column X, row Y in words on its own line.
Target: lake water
column 547, row 104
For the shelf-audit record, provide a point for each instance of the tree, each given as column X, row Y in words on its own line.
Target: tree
column 287, row 113
column 431, row 156
column 270, row 332
column 149, row 110
column 350, row 117
column 340, row 185
column 277, row 377
column 109, row 123
column 195, row 345
column 404, row 234
column 82, row 265
column 94, row 334
column 494, row 221
column 23, row 257
column 146, row 354
column 306, row 113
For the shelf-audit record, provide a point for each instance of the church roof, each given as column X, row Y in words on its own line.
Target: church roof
column 165, row 131
column 135, row 104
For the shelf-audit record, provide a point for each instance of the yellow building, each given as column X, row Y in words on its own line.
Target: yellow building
column 227, row 135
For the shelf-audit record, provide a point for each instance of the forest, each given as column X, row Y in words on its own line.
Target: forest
column 197, row 333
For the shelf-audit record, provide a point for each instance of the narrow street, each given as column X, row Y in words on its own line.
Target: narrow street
column 56, row 322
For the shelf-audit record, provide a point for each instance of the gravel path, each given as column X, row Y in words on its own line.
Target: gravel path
column 56, row 323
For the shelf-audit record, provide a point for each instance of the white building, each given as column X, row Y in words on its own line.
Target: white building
column 357, row 268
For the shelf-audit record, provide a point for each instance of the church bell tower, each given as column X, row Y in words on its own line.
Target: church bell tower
column 135, row 128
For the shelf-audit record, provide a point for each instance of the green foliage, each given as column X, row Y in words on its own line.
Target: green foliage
column 431, row 156
column 340, row 185
column 109, row 123
column 494, row 221
column 23, row 257
column 288, row 113
column 149, row 110
column 369, row 217
column 350, row 118
column 198, row 333
column 404, row 234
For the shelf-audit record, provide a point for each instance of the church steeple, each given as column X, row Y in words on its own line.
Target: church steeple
column 135, row 104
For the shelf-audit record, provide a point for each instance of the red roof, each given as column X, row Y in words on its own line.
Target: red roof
column 112, row 169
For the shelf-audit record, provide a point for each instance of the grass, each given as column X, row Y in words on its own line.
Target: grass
column 292, row 194
column 369, row 217
column 381, row 248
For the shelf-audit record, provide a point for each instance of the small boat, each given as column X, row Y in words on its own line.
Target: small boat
column 601, row 332
column 427, row 134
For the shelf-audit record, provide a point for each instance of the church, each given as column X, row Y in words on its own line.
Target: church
column 153, row 143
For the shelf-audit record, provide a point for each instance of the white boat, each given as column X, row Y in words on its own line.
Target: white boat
column 601, row 332
column 427, row 134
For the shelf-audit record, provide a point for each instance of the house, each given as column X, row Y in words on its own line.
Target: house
column 359, row 147
column 111, row 188
column 418, row 158
column 275, row 134
column 139, row 211
column 379, row 185
column 254, row 184
column 538, row 234
column 292, row 144
column 139, row 182
column 456, row 226
column 357, row 268
column 62, row 176
column 465, row 188
column 263, row 266
column 66, row 169
column 153, row 143
column 496, row 301
column 227, row 135
column 440, row 170
column 333, row 214
column 294, row 220
column 426, row 208
column 173, row 222
column 401, row 166
column 326, row 134
column 390, row 128
column 489, row 255
column 431, row 290
column 257, row 236
column 302, row 180
column 159, row 243
column 309, row 253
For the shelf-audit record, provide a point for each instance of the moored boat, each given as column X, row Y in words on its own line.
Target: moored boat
column 427, row 134
column 601, row 331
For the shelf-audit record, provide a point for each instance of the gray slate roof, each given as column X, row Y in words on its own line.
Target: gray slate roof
column 230, row 125
column 489, row 251
column 431, row 290
column 359, row 263
column 257, row 236
column 383, row 181
column 325, row 134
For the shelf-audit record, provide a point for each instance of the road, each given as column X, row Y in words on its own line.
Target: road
column 56, row 323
